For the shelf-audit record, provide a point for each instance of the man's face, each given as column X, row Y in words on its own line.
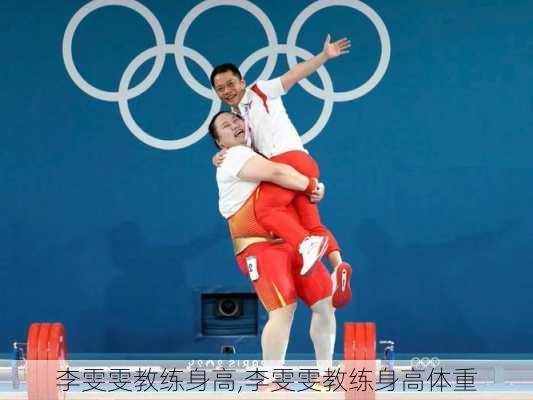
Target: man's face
column 230, row 130
column 229, row 88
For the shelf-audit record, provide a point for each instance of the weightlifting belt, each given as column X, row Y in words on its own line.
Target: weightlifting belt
column 241, row 243
column 244, row 228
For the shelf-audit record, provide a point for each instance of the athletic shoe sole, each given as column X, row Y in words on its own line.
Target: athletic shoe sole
column 342, row 293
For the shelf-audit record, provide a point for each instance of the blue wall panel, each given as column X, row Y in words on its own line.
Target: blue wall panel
column 429, row 175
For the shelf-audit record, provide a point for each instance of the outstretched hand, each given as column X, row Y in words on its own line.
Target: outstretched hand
column 336, row 49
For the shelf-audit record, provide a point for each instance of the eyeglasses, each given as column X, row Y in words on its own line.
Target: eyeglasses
column 229, row 84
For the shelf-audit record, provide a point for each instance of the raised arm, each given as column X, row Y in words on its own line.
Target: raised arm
column 305, row 68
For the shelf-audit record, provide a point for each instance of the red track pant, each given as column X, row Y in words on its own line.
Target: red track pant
column 271, row 205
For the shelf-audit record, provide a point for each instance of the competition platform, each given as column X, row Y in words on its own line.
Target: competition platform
column 41, row 368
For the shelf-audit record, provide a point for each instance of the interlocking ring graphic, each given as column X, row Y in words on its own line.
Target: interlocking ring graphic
column 180, row 52
column 424, row 362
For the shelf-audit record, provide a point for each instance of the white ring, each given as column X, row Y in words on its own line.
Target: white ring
column 71, row 67
column 383, row 37
column 206, row 5
column 322, row 73
column 124, row 106
column 159, row 51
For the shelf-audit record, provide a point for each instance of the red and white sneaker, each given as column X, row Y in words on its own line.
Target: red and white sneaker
column 342, row 292
column 312, row 249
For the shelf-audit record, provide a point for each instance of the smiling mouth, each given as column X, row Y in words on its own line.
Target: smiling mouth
column 238, row 133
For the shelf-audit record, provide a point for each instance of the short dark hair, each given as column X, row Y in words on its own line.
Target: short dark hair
column 212, row 128
column 219, row 69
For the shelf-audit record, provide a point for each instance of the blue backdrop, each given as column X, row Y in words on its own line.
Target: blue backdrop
column 429, row 175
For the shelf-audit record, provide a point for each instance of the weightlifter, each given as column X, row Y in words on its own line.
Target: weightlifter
column 273, row 266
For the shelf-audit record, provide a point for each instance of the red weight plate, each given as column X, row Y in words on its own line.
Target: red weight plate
column 42, row 345
column 364, row 368
column 370, row 359
column 370, row 341
column 360, row 341
column 42, row 356
column 31, row 364
column 349, row 357
column 57, row 350
column 349, row 340
column 33, row 339
column 57, row 343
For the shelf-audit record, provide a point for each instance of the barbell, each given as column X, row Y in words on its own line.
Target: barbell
column 47, row 342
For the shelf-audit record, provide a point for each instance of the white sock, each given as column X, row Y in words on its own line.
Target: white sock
column 275, row 337
column 323, row 331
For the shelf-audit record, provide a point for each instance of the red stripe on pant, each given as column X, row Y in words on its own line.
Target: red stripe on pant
column 271, row 206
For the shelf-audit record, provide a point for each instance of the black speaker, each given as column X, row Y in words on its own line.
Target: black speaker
column 229, row 314
column 229, row 307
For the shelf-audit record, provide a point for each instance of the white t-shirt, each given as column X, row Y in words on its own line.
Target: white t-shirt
column 270, row 129
column 233, row 191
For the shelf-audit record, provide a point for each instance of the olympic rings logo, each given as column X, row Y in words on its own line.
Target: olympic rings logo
column 180, row 52
column 424, row 362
